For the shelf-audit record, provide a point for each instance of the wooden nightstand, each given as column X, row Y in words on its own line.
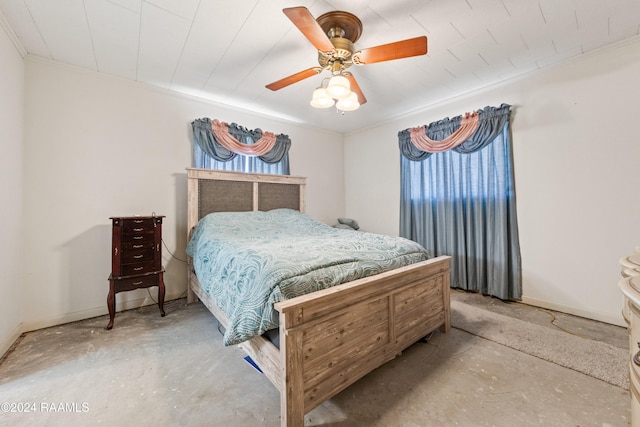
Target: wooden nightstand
column 136, row 258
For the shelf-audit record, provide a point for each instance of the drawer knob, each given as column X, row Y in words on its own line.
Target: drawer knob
column 636, row 358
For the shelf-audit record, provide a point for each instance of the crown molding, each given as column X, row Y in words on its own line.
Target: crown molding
column 4, row 24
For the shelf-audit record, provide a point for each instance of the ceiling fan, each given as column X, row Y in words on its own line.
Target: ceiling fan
column 333, row 34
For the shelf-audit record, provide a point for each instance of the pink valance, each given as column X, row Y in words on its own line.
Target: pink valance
column 259, row 148
column 468, row 125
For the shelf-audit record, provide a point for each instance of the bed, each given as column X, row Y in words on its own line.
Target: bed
column 329, row 338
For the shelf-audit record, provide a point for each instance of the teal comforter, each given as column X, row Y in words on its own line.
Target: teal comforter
column 247, row 261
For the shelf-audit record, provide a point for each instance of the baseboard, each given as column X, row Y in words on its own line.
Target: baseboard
column 595, row 315
column 93, row 312
column 10, row 340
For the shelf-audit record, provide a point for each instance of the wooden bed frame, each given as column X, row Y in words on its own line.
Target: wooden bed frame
column 331, row 338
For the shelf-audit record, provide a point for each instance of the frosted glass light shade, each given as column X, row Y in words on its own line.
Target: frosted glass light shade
column 339, row 87
column 321, row 99
column 350, row 103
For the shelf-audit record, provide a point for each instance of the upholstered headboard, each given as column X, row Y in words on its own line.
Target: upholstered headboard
column 221, row 191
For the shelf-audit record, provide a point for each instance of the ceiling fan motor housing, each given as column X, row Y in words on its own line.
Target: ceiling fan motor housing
column 342, row 54
column 343, row 29
column 341, row 24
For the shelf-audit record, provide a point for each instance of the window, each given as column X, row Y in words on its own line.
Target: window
column 271, row 151
column 461, row 203
column 240, row 163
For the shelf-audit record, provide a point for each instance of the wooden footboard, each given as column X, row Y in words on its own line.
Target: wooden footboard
column 331, row 338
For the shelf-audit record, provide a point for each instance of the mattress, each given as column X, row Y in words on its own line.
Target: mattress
column 248, row 261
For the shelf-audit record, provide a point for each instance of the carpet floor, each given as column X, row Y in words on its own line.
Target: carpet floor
column 594, row 358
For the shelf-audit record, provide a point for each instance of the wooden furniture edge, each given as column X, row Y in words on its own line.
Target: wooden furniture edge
column 433, row 265
column 301, row 314
column 196, row 173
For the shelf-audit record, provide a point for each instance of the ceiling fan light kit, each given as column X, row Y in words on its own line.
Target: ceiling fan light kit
column 321, row 99
column 350, row 103
column 338, row 92
column 333, row 34
column 339, row 87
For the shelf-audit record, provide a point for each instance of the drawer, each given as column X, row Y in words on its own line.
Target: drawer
column 630, row 265
column 131, row 283
column 130, row 256
column 138, row 245
column 138, row 268
column 139, row 236
column 634, row 389
column 634, row 338
column 137, row 224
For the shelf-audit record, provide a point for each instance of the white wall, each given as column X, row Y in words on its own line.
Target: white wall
column 11, row 106
column 96, row 147
column 576, row 149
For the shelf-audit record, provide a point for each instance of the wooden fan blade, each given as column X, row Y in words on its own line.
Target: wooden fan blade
column 387, row 52
column 294, row 78
column 356, row 88
column 309, row 27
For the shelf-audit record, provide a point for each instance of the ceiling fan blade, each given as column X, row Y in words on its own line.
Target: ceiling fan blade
column 356, row 88
column 309, row 27
column 294, row 78
column 387, row 52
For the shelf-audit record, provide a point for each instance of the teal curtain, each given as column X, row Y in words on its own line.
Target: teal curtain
column 209, row 154
column 462, row 203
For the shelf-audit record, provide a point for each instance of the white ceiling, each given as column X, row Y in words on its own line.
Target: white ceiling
column 228, row 50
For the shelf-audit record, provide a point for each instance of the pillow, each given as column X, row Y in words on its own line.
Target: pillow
column 343, row 226
column 352, row 223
